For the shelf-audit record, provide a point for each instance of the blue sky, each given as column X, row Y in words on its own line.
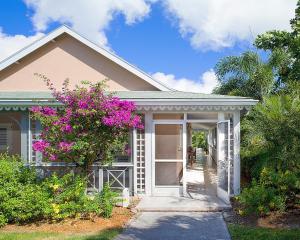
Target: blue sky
column 176, row 41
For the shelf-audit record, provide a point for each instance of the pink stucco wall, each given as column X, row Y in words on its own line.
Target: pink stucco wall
column 67, row 58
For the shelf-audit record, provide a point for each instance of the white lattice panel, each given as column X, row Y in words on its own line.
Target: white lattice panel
column 140, row 144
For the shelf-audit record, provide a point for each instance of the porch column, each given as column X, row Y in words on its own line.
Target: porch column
column 236, row 153
column 148, row 153
column 220, row 149
column 220, row 138
column 209, row 143
column 134, row 147
column 25, row 136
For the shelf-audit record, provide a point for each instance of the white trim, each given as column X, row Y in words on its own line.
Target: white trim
column 148, row 153
column 168, row 122
column 236, row 153
column 134, row 147
column 197, row 107
column 29, row 139
column 168, row 190
column 64, row 29
column 168, row 186
column 184, row 153
column 222, row 194
column 193, row 107
column 153, row 158
column 168, row 160
column 202, row 121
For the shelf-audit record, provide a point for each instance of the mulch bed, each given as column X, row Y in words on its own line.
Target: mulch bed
column 287, row 220
column 76, row 226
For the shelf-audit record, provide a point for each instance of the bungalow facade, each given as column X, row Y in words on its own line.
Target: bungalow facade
column 157, row 165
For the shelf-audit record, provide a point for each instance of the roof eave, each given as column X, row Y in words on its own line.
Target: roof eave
column 148, row 102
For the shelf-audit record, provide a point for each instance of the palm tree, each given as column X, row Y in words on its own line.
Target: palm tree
column 246, row 75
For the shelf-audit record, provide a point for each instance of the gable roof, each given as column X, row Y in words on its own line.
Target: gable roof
column 66, row 30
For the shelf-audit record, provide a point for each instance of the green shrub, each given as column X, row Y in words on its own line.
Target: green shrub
column 29, row 203
column 261, row 200
column 21, row 197
column 286, row 183
column 68, row 197
column 272, row 192
column 25, row 198
column 107, row 201
column 3, row 220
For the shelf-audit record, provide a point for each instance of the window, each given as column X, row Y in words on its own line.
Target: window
column 125, row 153
column 4, row 137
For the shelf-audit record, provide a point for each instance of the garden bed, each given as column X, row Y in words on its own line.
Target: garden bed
column 274, row 226
column 68, row 227
column 287, row 220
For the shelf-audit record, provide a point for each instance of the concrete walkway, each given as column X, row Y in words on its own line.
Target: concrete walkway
column 195, row 216
column 175, row 225
column 181, row 204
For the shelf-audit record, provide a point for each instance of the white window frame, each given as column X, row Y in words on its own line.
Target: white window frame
column 8, row 127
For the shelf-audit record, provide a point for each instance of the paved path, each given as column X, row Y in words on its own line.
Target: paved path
column 203, row 203
column 176, row 225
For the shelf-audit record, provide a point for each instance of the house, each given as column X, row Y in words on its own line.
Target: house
column 158, row 162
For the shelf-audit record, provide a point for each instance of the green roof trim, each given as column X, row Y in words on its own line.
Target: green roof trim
column 133, row 95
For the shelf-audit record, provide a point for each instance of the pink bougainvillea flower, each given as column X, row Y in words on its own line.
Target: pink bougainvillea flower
column 40, row 145
column 36, row 109
column 65, row 146
column 48, row 111
column 82, row 104
column 67, row 128
column 52, row 157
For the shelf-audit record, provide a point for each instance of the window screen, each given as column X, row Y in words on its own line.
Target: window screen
column 3, row 138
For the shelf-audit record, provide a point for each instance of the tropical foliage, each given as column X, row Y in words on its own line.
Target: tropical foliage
column 246, row 75
column 270, row 132
column 287, row 45
column 199, row 140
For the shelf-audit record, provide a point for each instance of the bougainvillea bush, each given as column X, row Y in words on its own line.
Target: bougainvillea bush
column 88, row 128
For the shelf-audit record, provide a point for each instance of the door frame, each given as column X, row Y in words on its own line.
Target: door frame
column 221, row 193
column 170, row 189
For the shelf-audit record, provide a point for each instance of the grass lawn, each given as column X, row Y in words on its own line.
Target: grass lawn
column 103, row 235
column 240, row 232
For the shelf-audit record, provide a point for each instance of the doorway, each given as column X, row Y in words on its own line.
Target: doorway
column 169, row 158
column 209, row 153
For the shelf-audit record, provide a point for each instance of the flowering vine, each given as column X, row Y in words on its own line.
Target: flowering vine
column 88, row 128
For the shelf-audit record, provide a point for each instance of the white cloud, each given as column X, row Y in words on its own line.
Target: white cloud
column 215, row 24
column 90, row 18
column 207, row 82
column 12, row 43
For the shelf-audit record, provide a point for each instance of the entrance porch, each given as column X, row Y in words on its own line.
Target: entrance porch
column 201, row 193
column 171, row 172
